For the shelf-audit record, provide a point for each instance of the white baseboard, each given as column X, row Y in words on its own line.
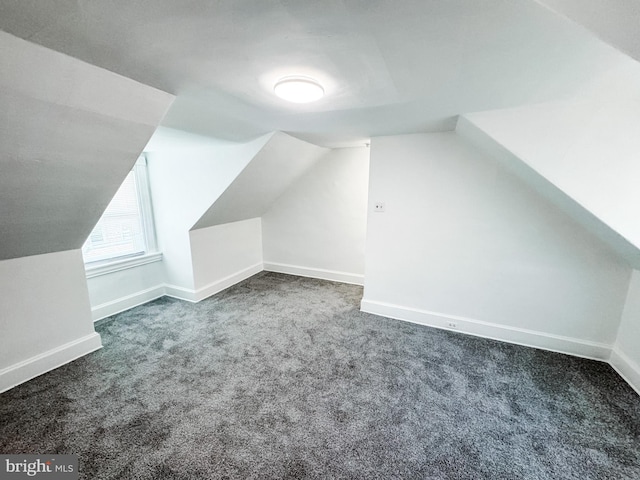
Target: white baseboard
column 47, row 361
column 125, row 303
column 519, row 336
column 626, row 368
column 226, row 282
column 181, row 293
column 335, row 276
column 195, row 296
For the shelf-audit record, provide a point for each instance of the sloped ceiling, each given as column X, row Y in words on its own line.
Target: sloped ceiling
column 387, row 66
column 281, row 161
column 581, row 156
column 617, row 22
column 189, row 172
column 70, row 131
column 69, row 134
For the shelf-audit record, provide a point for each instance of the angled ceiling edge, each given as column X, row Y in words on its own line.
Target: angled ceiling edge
column 548, row 190
column 279, row 163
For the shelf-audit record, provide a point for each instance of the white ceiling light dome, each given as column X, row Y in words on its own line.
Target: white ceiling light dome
column 298, row 89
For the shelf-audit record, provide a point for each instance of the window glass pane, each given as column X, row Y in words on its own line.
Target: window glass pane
column 120, row 231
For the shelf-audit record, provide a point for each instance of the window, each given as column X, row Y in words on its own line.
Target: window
column 125, row 231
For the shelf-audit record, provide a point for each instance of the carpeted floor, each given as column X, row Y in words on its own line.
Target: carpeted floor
column 283, row 377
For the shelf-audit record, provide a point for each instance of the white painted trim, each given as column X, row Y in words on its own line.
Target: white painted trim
column 181, row 293
column 117, row 265
column 226, row 282
column 626, row 368
column 195, row 296
column 47, row 361
column 504, row 333
column 321, row 273
column 192, row 295
column 125, row 303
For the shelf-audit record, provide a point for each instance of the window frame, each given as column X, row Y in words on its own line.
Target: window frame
column 151, row 253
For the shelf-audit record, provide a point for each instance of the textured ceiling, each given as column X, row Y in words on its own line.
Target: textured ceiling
column 388, row 66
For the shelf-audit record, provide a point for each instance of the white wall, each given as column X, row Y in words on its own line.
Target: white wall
column 69, row 134
column 279, row 163
column 588, row 150
column 45, row 318
column 464, row 241
column 117, row 291
column 492, row 148
column 625, row 357
column 318, row 226
column 199, row 182
column 187, row 173
column 225, row 254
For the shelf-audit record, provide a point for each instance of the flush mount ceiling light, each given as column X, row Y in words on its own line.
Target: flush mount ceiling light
column 298, row 89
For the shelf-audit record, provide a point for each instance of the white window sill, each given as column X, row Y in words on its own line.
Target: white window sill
column 117, row 265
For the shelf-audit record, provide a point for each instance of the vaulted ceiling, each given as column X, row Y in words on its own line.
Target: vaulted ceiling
column 387, row 66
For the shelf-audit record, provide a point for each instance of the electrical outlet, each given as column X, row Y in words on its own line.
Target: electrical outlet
column 378, row 207
column 452, row 325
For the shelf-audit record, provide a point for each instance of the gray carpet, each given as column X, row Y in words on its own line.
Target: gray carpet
column 283, row 377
